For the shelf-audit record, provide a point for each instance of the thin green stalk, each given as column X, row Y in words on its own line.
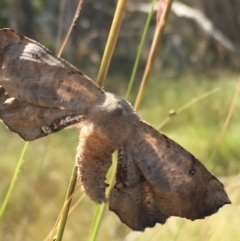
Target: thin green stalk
column 185, row 106
column 100, row 80
column 107, row 56
column 100, row 208
column 96, row 221
column 111, row 41
column 73, row 179
column 50, row 236
column 68, row 199
column 14, row 178
column 143, row 38
column 113, row 35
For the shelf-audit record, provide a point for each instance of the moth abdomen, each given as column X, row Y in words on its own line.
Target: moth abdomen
column 93, row 160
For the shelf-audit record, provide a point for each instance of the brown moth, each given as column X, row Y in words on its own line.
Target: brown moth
column 156, row 178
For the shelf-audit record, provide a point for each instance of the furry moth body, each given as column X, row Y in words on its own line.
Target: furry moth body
column 156, row 178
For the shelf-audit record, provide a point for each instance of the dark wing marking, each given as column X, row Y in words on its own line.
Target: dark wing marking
column 178, row 184
column 40, row 82
column 32, row 122
column 132, row 198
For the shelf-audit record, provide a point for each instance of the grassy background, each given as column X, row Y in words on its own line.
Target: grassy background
column 42, row 182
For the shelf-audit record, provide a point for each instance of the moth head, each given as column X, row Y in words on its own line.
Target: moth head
column 115, row 118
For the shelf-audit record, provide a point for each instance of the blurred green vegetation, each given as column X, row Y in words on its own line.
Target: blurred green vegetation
column 42, row 182
column 185, row 45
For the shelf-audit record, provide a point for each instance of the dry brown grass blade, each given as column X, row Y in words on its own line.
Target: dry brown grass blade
column 188, row 104
column 164, row 9
column 62, row 5
column 70, row 28
column 61, row 222
column 50, row 236
column 230, row 113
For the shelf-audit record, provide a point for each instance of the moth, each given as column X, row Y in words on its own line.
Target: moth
column 156, row 178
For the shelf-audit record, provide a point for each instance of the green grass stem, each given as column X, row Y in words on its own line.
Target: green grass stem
column 73, row 178
column 140, row 48
column 185, row 106
column 68, row 200
column 107, row 56
column 100, row 208
column 101, row 77
column 96, row 222
column 14, row 178
column 111, row 41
